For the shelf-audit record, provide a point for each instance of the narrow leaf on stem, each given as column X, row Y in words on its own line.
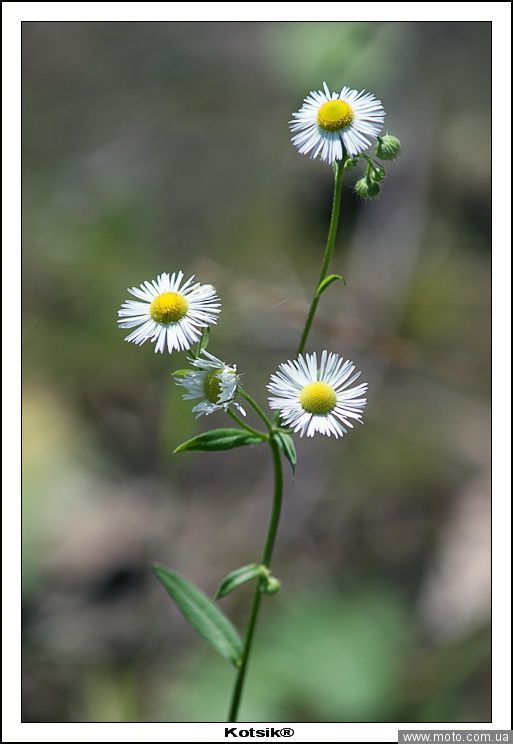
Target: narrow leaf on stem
column 325, row 283
column 286, row 444
column 201, row 612
column 240, row 576
column 220, row 439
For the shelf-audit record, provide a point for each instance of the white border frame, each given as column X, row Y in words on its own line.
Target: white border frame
column 13, row 14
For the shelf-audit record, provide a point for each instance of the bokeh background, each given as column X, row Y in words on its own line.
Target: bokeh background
column 154, row 146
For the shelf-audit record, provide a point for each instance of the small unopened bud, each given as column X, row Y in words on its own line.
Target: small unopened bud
column 351, row 163
column 366, row 188
column 378, row 173
column 388, row 147
column 272, row 586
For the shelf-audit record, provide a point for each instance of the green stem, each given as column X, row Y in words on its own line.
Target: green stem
column 372, row 161
column 328, row 253
column 278, row 473
column 242, row 423
column 266, row 561
column 252, row 402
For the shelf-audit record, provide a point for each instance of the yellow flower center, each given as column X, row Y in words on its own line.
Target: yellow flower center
column 318, row 398
column 212, row 386
column 168, row 307
column 334, row 115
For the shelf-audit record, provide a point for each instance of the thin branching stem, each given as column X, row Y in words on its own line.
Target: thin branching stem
column 245, row 426
column 275, row 450
column 328, row 253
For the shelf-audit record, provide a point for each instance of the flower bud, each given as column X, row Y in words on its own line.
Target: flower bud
column 272, row 586
column 351, row 163
column 366, row 188
column 388, row 147
column 378, row 173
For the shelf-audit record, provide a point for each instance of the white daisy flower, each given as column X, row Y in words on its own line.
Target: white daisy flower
column 169, row 312
column 328, row 122
column 315, row 397
column 216, row 382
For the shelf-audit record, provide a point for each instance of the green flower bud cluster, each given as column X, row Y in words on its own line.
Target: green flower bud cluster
column 388, row 147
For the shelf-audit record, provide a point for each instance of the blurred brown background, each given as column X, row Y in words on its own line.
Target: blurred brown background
column 155, row 146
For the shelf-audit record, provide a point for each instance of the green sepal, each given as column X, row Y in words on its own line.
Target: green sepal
column 181, row 372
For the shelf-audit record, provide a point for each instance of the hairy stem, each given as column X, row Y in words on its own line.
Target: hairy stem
column 328, row 253
column 257, row 598
column 275, row 450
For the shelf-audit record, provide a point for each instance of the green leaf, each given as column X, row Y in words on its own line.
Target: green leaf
column 286, row 444
column 240, row 576
column 181, row 372
column 322, row 286
column 220, row 439
column 204, row 616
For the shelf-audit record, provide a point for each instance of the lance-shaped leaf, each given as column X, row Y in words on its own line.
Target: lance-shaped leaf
column 240, row 576
column 220, row 439
column 323, row 286
column 204, row 616
column 286, row 444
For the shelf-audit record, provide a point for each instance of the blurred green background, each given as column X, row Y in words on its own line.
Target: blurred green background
column 150, row 147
